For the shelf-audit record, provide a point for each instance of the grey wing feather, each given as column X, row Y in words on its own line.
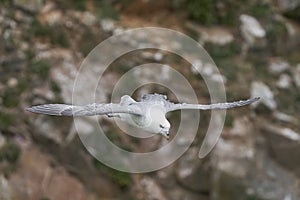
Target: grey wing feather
column 226, row 105
column 86, row 110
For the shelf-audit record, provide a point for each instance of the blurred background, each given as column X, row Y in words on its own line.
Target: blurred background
column 255, row 45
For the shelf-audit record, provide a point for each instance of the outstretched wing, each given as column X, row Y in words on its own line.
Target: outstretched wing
column 86, row 110
column 172, row 107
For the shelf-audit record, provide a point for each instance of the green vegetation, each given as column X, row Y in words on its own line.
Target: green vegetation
column 229, row 120
column 44, row 198
column 212, row 12
column 5, row 2
column 201, row 11
column 260, row 64
column 10, row 98
column 6, row 119
column 55, row 87
column 260, row 10
column 228, row 50
column 228, row 68
column 123, row 179
column 30, row 54
column 294, row 14
column 78, row 4
column 115, row 137
column 56, row 35
column 289, row 101
column 223, row 12
column 23, row 84
column 276, row 28
column 39, row 30
column 41, row 68
column 11, row 152
column 87, row 42
column 106, row 9
column 253, row 197
column 60, row 38
column 276, row 34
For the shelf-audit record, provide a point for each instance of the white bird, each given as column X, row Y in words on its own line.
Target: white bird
column 148, row 114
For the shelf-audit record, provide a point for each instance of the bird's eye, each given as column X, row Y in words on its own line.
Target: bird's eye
column 161, row 126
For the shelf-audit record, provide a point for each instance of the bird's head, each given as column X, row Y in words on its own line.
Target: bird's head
column 159, row 124
column 165, row 128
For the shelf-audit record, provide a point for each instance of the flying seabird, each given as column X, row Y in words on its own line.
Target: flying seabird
column 148, row 114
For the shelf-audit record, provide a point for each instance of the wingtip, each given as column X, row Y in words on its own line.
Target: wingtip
column 29, row 109
column 256, row 99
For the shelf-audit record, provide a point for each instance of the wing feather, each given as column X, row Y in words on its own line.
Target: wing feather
column 226, row 105
column 86, row 110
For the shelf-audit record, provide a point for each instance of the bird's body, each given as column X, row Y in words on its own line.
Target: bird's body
column 148, row 114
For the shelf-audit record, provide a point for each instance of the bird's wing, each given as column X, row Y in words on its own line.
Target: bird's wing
column 179, row 106
column 86, row 110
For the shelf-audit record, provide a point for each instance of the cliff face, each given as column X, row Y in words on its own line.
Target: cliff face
column 255, row 47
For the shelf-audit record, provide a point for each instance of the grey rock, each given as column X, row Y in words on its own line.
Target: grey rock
column 2, row 140
column 52, row 17
column 251, row 29
column 278, row 65
column 270, row 181
column 232, row 160
column 229, row 152
column 4, row 189
column 282, row 117
column 48, row 129
column 193, row 174
column 108, row 25
column 35, row 173
column 296, row 75
column 152, row 189
column 240, row 176
column 31, row 5
column 284, row 81
column 259, row 89
column 207, row 69
column 215, row 35
column 89, row 19
column 284, row 145
column 158, row 56
column 287, row 5
column 197, row 66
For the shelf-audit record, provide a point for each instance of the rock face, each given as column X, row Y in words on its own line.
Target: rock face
column 45, row 181
column 296, row 74
column 243, row 169
column 284, row 81
column 31, row 5
column 259, row 89
column 152, row 190
column 289, row 5
column 287, row 152
column 255, row 46
column 5, row 192
column 278, row 66
column 192, row 173
column 251, row 29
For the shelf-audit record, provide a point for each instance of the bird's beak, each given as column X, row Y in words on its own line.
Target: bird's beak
column 167, row 137
column 166, row 134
